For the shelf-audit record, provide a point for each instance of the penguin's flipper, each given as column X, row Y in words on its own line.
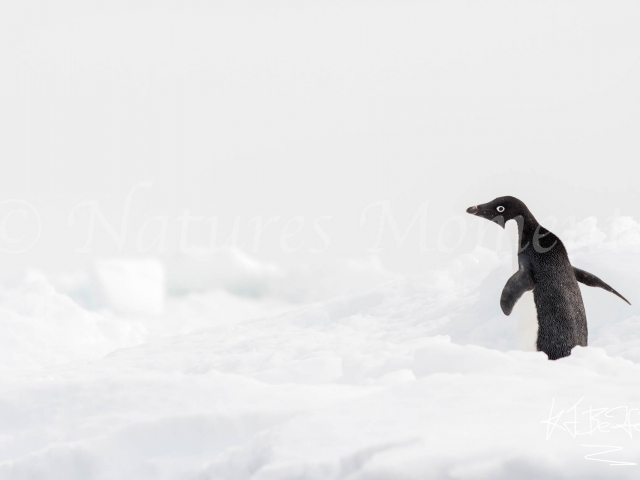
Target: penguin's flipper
column 515, row 287
column 591, row 280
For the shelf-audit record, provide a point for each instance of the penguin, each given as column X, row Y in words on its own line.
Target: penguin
column 544, row 267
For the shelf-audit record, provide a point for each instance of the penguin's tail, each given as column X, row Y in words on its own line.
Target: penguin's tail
column 591, row 280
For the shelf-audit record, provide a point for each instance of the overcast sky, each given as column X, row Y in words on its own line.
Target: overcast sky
column 290, row 118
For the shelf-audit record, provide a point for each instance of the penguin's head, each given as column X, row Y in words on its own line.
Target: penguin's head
column 500, row 210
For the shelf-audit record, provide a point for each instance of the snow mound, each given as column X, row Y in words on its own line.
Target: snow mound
column 131, row 286
column 41, row 327
column 200, row 270
column 236, row 271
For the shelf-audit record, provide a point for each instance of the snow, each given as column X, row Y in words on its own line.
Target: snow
column 256, row 371
column 131, row 285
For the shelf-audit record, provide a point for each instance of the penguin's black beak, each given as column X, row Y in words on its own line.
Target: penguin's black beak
column 473, row 210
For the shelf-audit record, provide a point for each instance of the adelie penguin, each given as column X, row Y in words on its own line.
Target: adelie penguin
column 544, row 267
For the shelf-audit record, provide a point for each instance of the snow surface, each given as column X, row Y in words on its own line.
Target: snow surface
column 252, row 371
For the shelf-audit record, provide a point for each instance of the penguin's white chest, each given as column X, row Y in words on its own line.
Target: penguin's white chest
column 527, row 316
column 525, row 312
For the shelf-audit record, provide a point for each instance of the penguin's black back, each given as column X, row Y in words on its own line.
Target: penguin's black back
column 562, row 321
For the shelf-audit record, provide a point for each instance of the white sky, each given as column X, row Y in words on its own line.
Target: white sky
column 243, row 109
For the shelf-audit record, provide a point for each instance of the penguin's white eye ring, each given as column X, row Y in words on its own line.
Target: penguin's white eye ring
column 500, row 209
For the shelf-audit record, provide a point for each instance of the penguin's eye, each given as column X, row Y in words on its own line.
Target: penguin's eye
column 500, row 209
